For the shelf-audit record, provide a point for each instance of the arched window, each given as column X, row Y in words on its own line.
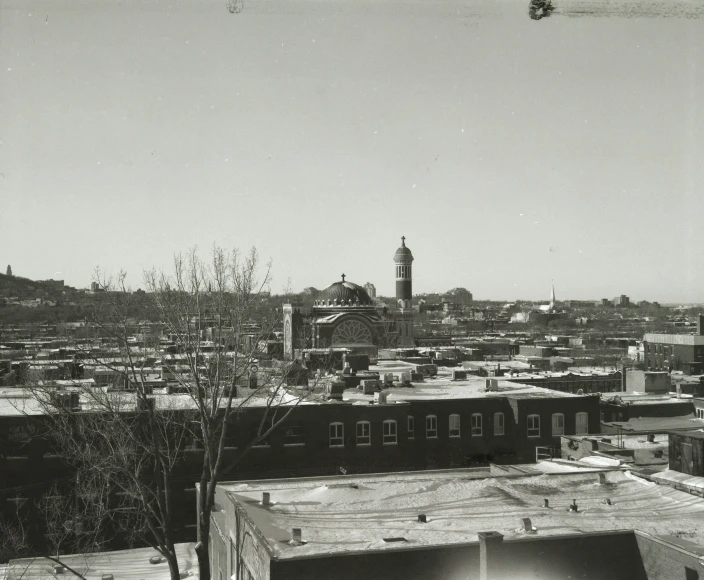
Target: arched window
column 337, row 435
column 476, row 425
column 582, row 424
column 294, row 435
column 533, row 423
column 364, row 433
column 454, row 425
column 558, row 424
column 431, row 427
column 390, row 432
column 499, row 428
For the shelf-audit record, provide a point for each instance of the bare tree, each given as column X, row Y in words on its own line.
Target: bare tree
column 213, row 312
column 123, row 445
column 73, row 517
column 127, row 431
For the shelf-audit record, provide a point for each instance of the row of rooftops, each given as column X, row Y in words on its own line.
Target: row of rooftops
column 680, row 339
column 442, row 387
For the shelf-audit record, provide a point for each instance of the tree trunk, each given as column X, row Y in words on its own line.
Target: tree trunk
column 173, row 566
column 203, row 557
column 202, row 550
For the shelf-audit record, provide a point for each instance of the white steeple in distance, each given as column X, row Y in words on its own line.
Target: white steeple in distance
column 552, row 297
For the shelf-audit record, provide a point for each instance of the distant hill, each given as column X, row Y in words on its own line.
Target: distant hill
column 26, row 289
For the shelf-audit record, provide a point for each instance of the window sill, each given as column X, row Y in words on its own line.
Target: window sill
column 454, row 436
column 394, row 443
column 294, row 444
column 364, row 444
column 337, row 446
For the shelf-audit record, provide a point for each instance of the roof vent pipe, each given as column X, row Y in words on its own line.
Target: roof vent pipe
column 266, row 498
column 422, row 519
column 296, row 536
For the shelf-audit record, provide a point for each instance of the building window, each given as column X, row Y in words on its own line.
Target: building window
column 294, row 435
column 454, row 425
column 337, row 435
column 411, row 427
column 476, row 425
column 533, row 425
column 601, row 416
column 431, row 427
column 364, row 433
column 498, row 423
column 390, row 432
column 700, row 413
column 558, row 424
column 582, row 426
column 259, row 435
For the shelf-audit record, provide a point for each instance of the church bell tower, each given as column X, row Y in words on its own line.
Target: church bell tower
column 403, row 259
column 404, row 278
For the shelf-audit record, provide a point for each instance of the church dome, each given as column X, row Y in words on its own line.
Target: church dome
column 343, row 294
column 403, row 254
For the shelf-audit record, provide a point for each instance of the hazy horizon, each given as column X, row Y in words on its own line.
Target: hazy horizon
column 511, row 153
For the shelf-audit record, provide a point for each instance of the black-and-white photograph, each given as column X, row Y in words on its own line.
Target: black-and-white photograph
column 352, row 289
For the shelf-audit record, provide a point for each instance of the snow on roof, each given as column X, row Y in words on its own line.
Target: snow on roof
column 336, row 517
column 442, row 387
column 123, row 565
column 643, row 399
column 661, row 424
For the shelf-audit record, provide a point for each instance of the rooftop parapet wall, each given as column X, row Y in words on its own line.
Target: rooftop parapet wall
column 681, row 339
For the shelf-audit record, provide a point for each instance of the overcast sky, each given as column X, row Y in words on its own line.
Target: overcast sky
column 509, row 152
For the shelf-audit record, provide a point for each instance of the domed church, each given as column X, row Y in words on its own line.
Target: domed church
column 344, row 316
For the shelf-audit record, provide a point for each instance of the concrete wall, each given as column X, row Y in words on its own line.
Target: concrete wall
column 663, row 561
column 616, row 412
column 647, row 382
column 609, row 555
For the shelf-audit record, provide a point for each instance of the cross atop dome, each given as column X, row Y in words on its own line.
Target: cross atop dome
column 403, row 241
column 343, row 277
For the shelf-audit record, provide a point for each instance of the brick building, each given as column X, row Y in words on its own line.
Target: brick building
column 434, row 424
column 683, row 352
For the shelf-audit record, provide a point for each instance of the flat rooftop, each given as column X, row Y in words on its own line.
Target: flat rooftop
column 645, row 399
column 336, row 517
column 443, row 387
column 658, row 424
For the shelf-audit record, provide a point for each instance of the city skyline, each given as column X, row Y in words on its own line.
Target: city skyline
column 509, row 152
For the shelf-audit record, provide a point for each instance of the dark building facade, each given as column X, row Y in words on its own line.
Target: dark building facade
column 576, row 383
column 330, row 438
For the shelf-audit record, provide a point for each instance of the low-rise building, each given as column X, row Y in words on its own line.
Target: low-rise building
column 458, row 524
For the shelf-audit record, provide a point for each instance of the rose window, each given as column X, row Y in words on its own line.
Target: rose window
column 352, row 332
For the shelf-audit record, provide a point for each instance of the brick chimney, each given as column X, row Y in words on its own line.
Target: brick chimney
column 700, row 325
column 490, row 561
